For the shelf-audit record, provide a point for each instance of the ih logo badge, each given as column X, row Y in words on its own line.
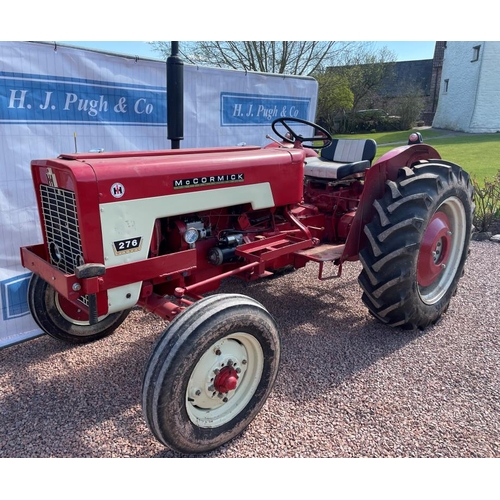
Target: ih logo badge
column 51, row 178
column 117, row 190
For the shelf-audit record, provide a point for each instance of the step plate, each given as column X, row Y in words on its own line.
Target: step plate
column 322, row 253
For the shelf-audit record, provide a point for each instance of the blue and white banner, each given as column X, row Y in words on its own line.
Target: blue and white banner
column 60, row 99
column 54, row 100
column 245, row 110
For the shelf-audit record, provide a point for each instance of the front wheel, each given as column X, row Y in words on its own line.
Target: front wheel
column 64, row 320
column 210, row 373
column 417, row 245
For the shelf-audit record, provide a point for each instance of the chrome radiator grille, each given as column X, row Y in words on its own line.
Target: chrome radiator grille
column 61, row 228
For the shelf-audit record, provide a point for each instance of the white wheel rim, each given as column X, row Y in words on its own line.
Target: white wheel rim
column 208, row 408
column 69, row 318
column 455, row 212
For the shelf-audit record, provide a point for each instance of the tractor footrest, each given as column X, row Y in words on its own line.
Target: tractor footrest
column 271, row 248
column 322, row 253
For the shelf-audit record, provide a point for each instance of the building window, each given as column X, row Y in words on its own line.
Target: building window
column 475, row 53
column 446, row 82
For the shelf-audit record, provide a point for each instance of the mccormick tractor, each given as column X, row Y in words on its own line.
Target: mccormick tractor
column 159, row 229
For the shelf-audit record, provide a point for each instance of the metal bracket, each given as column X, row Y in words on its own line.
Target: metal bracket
column 320, row 273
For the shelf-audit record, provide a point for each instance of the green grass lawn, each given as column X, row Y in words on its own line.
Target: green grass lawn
column 478, row 154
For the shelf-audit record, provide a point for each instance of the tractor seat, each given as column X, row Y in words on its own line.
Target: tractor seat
column 342, row 158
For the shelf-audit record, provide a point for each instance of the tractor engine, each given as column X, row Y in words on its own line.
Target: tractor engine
column 212, row 233
column 216, row 235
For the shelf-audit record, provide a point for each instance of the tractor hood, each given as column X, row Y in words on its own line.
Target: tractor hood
column 145, row 174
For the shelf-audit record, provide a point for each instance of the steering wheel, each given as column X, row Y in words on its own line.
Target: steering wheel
column 325, row 135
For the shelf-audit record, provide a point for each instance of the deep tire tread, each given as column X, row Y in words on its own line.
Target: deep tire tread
column 388, row 279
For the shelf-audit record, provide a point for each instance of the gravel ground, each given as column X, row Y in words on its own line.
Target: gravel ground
column 348, row 386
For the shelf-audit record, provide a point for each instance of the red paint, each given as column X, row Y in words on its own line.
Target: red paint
column 226, row 380
column 434, row 250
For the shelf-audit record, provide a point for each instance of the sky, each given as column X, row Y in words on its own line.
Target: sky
column 404, row 51
column 260, row 20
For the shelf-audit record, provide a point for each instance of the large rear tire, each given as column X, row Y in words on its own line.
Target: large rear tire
column 210, row 373
column 65, row 321
column 418, row 243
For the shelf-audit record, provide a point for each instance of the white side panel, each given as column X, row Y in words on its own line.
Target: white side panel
column 123, row 297
column 123, row 220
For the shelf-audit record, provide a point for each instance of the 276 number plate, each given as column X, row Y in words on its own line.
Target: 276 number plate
column 127, row 246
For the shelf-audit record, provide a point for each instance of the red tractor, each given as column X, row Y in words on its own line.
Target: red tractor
column 159, row 229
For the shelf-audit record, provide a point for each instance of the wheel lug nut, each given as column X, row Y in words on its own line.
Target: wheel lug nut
column 230, row 362
column 195, row 392
column 211, row 388
column 238, row 370
column 216, row 371
column 225, row 400
column 220, row 395
column 244, row 362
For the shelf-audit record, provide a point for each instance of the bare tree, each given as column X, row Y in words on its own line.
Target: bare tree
column 285, row 57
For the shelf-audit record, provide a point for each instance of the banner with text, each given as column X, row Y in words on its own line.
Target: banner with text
column 58, row 99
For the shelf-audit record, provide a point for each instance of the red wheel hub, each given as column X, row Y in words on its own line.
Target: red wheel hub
column 226, row 380
column 434, row 250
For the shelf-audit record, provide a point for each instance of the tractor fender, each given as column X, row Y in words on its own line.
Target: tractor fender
column 384, row 169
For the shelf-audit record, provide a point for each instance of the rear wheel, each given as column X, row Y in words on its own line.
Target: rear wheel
column 210, row 373
column 64, row 320
column 417, row 246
